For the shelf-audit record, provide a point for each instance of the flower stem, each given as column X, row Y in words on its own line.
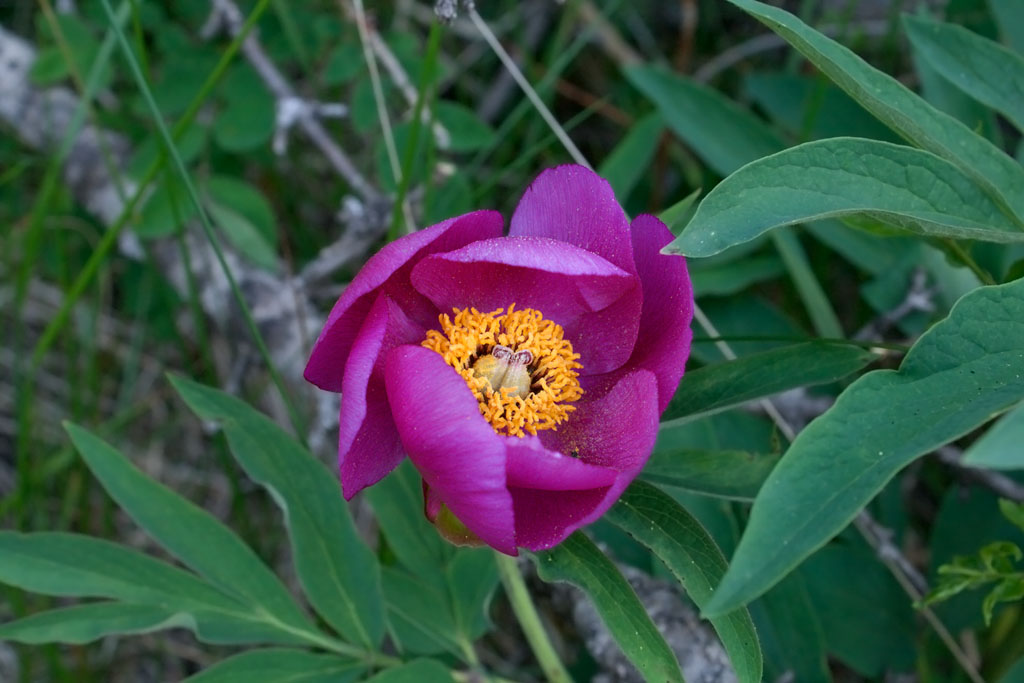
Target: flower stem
column 529, row 620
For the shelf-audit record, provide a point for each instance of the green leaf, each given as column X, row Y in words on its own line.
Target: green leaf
column 626, row 164
column 1000, row 447
column 737, row 475
column 968, row 517
column 418, row 671
column 344, row 64
column 472, row 577
column 70, row 565
column 579, row 562
column 247, row 119
column 961, row 372
column 677, row 215
column 432, row 611
column 244, row 236
column 791, row 633
column 420, row 615
column 867, row 619
column 440, row 602
column 1008, row 590
column 810, row 107
column 86, row 623
column 166, row 210
column 468, row 132
column 982, row 68
column 899, row 108
column 51, row 66
column 397, row 502
column 1010, row 18
column 902, row 186
column 653, row 518
column 946, row 97
column 819, row 309
column 720, row 131
column 246, row 200
column 730, row 278
column 339, row 574
column 279, row 665
column 1016, row 672
column 188, row 532
column 243, row 127
column 713, row 388
column 1013, row 512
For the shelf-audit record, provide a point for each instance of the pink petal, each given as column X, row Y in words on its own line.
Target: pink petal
column 368, row 444
column 617, row 430
column 457, row 452
column 663, row 344
column 664, row 341
column 388, row 270
column 532, row 466
column 614, row 432
column 545, row 518
column 573, row 204
column 597, row 303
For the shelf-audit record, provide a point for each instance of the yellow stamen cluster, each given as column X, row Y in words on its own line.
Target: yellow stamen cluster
column 554, row 385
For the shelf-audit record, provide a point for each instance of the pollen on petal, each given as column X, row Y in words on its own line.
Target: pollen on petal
column 519, row 366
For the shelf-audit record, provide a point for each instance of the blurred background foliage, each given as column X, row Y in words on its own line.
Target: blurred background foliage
column 664, row 98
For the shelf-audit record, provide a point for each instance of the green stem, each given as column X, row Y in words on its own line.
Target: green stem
column 529, row 620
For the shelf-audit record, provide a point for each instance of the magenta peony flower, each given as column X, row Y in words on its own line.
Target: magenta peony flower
column 523, row 374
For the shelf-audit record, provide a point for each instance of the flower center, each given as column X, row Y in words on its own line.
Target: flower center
column 520, row 367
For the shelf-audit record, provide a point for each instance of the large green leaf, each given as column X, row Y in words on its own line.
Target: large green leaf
column 339, row 574
column 578, row 561
column 70, row 565
column 279, row 665
column 982, row 68
column 899, row 108
column 86, row 623
column 902, row 186
column 653, row 518
column 959, row 374
column 188, row 532
column 713, row 388
column 1000, row 447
